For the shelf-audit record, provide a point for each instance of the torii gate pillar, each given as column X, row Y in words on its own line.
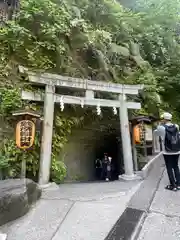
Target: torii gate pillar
column 46, row 142
column 126, row 140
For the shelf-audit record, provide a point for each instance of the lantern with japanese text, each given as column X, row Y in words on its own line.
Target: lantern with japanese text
column 25, row 128
column 25, row 132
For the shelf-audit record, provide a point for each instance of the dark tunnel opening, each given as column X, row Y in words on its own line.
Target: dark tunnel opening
column 110, row 143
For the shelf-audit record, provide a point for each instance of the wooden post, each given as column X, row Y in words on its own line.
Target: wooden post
column 134, row 151
column 46, row 144
column 23, row 168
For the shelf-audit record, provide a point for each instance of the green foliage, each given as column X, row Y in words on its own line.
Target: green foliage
column 159, row 41
column 80, row 38
column 10, row 99
column 15, row 156
column 4, row 162
column 58, row 171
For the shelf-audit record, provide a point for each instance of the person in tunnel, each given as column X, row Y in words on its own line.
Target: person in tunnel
column 98, row 166
column 109, row 169
column 104, row 166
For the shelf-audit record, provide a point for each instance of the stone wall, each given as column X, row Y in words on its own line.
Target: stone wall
column 79, row 155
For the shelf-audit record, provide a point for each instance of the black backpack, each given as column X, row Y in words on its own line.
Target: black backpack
column 172, row 139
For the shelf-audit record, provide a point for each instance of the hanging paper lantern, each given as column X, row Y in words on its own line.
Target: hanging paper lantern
column 61, row 104
column 25, row 133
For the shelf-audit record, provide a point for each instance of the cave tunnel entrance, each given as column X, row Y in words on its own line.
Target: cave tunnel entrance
column 110, row 143
column 88, row 144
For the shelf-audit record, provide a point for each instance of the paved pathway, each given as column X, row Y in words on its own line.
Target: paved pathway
column 84, row 211
column 163, row 220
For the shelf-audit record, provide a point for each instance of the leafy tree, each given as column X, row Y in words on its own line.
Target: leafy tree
column 160, row 46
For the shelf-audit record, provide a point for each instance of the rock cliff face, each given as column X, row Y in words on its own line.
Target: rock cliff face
column 16, row 198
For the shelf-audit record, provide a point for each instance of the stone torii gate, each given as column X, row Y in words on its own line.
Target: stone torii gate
column 51, row 81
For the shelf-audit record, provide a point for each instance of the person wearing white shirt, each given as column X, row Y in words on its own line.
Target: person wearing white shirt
column 169, row 134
